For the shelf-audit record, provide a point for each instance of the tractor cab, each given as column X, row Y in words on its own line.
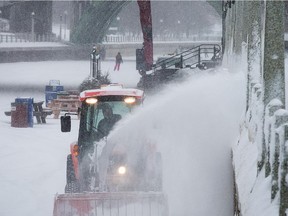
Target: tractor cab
column 102, row 109
column 111, row 103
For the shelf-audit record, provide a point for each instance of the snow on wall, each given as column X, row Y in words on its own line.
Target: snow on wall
column 260, row 153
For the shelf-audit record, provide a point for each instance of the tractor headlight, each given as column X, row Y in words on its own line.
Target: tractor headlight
column 122, row 170
column 91, row 100
column 130, row 100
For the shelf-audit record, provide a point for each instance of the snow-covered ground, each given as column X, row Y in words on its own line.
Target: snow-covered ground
column 194, row 123
column 70, row 73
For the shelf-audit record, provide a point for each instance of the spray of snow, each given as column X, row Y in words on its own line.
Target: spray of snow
column 194, row 125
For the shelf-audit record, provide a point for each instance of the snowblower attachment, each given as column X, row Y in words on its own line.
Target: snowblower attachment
column 100, row 178
column 108, row 204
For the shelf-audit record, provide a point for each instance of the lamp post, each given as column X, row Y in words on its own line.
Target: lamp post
column 60, row 33
column 118, row 23
column 160, row 28
column 178, row 29
column 65, row 23
column 32, row 25
column 95, row 63
column 1, row 25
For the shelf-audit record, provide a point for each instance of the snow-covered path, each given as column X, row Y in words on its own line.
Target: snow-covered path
column 194, row 123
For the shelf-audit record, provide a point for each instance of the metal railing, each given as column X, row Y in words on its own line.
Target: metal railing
column 158, row 38
column 26, row 37
column 190, row 56
column 6, row 37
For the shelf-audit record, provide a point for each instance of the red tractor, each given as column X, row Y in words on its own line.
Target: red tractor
column 99, row 175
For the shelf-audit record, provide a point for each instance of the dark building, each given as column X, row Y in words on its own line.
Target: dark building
column 21, row 16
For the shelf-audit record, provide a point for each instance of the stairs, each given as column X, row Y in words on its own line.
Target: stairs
column 165, row 69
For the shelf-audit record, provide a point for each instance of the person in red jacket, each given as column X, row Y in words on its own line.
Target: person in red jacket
column 119, row 60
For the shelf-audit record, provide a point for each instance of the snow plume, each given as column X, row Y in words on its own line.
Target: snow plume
column 193, row 125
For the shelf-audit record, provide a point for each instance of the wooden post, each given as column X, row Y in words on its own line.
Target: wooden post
column 274, row 76
column 284, row 169
column 270, row 111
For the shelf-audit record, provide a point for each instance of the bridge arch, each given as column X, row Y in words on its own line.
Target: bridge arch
column 96, row 20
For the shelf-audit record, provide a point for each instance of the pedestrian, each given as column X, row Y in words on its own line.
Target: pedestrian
column 119, row 60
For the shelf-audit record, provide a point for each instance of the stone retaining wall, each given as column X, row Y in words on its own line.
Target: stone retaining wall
column 74, row 52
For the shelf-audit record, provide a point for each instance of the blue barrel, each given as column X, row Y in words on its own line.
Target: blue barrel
column 27, row 102
column 51, row 92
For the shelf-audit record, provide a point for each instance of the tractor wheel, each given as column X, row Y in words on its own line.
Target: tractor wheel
column 70, row 173
column 72, row 184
